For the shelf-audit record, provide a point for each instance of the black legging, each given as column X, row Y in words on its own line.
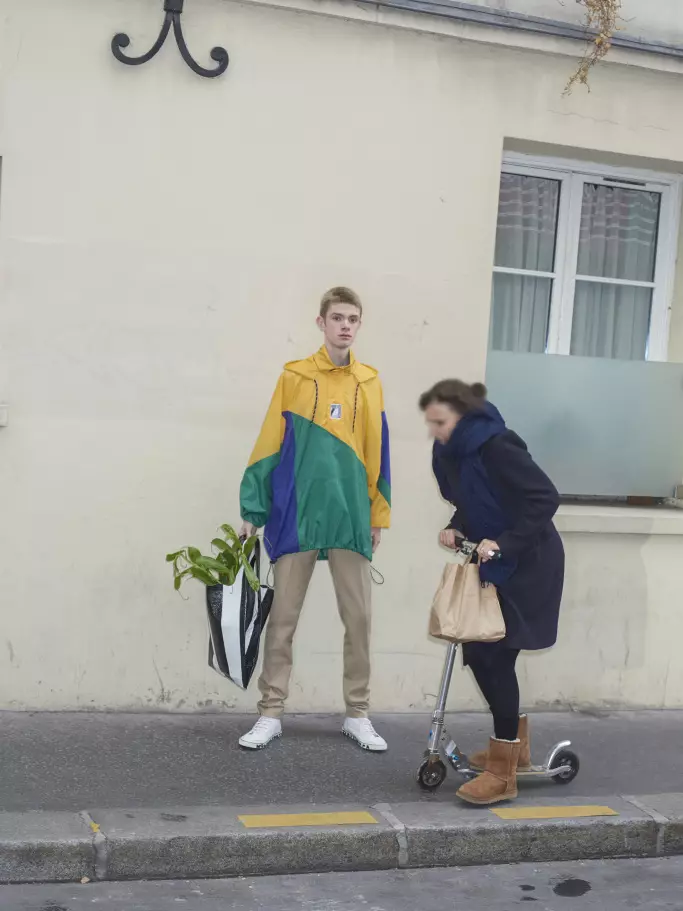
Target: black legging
column 497, row 679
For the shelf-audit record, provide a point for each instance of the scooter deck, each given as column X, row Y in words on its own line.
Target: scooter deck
column 537, row 771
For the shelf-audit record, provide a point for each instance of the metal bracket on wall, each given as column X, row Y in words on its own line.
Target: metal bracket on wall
column 173, row 10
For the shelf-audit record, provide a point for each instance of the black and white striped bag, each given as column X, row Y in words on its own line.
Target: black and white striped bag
column 237, row 615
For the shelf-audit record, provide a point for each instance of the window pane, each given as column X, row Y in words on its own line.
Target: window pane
column 527, row 222
column 611, row 321
column 520, row 311
column 618, row 235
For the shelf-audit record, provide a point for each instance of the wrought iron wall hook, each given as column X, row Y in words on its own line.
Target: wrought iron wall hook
column 173, row 10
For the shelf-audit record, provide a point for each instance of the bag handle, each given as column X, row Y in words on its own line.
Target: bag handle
column 270, row 584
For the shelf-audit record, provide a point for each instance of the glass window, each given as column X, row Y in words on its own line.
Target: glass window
column 579, row 266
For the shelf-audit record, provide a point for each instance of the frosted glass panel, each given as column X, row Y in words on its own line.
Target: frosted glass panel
column 527, row 222
column 598, row 427
column 520, row 312
column 618, row 236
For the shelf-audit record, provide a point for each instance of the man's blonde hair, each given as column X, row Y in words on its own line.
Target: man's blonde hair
column 339, row 295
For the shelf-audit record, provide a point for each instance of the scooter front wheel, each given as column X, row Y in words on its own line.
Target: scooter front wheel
column 568, row 759
column 431, row 774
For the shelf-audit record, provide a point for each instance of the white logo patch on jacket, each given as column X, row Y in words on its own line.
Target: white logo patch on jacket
column 335, row 412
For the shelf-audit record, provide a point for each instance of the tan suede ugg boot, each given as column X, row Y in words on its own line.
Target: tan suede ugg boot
column 499, row 781
column 478, row 760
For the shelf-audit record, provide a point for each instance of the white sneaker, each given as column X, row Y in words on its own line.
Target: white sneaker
column 362, row 731
column 265, row 730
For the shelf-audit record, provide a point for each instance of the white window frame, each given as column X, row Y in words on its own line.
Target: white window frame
column 572, row 175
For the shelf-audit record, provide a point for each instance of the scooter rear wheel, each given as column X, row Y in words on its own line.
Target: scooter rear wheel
column 431, row 774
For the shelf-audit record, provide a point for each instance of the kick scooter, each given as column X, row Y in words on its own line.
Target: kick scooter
column 561, row 764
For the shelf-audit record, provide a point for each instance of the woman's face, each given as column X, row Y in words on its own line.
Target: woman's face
column 441, row 420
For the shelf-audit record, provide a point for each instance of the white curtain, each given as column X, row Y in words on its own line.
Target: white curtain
column 527, row 222
column 618, row 239
column 521, row 307
column 611, row 321
column 525, row 239
column 618, row 234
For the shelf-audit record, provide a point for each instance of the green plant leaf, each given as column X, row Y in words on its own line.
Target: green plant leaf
column 229, row 559
column 203, row 575
column 229, row 554
column 179, row 575
column 251, row 576
column 222, row 567
column 231, row 535
column 211, row 564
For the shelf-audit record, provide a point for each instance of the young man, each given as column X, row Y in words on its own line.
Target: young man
column 319, row 480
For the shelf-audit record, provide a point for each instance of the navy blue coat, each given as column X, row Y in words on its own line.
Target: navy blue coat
column 530, row 598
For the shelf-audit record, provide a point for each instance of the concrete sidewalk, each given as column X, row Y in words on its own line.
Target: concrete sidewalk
column 112, row 797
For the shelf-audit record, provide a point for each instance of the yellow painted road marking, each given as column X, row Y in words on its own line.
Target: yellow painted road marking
column 287, row 820
column 554, row 812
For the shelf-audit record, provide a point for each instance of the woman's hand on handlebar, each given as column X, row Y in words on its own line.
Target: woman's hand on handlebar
column 487, row 550
column 450, row 538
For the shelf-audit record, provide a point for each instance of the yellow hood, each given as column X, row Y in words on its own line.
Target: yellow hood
column 320, row 362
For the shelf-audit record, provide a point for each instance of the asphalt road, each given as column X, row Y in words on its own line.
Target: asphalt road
column 655, row 885
column 77, row 761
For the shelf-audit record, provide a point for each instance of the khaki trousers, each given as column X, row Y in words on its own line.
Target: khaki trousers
column 351, row 579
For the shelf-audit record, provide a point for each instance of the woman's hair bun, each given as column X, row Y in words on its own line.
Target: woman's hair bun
column 457, row 394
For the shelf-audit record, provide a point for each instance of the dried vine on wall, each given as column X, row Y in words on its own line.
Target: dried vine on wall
column 601, row 18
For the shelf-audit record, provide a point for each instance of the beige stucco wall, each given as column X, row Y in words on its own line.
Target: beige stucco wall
column 654, row 20
column 163, row 243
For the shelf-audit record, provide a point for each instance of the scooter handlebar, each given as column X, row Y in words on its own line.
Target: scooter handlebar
column 470, row 547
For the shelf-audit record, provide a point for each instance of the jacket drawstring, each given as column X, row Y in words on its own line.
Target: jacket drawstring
column 315, row 406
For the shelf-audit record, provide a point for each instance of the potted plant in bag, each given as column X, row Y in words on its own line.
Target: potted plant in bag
column 236, row 609
column 231, row 556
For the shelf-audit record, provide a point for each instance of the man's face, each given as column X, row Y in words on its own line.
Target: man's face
column 341, row 325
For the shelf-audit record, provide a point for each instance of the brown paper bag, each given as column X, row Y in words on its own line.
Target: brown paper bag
column 464, row 610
